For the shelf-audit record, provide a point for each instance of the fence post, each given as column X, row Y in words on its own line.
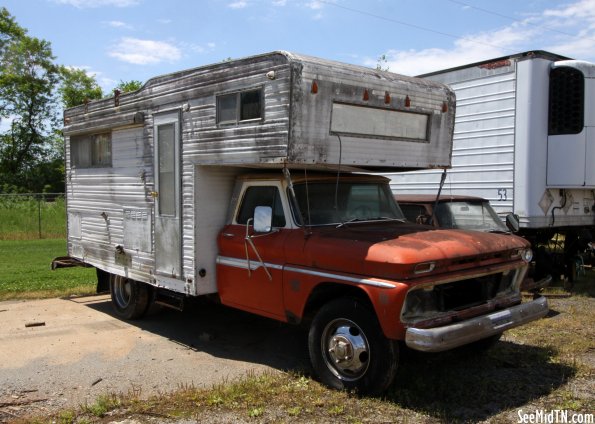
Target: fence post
column 39, row 214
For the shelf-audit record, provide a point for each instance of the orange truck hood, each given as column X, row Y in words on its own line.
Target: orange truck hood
column 392, row 250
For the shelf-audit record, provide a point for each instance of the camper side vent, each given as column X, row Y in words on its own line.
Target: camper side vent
column 566, row 105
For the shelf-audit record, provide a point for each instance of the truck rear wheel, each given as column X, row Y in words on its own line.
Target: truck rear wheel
column 348, row 350
column 130, row 298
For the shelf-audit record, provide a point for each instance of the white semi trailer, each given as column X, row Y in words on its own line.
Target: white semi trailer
column 524, row 139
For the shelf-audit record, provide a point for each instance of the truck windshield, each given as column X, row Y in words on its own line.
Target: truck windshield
column 469, row 216
column 327, row 203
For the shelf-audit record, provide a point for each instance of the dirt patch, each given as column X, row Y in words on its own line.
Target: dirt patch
column 78, row 350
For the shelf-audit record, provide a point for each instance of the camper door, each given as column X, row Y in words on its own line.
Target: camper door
column 168, row 248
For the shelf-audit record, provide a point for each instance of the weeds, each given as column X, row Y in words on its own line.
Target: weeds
column 27, row 218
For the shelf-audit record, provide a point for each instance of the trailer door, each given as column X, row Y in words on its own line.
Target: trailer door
column 568, row 147
column 168, row 248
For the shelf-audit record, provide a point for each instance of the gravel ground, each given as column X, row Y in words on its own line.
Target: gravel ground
column 58, row 353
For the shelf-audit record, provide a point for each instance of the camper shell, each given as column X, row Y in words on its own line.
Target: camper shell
column 269, row 111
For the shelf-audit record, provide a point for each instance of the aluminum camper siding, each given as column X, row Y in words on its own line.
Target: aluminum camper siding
column 316, row 139
column 98, row 200
column 124, row 189
column 297, row 128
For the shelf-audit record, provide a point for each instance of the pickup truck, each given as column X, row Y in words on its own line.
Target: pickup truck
column 451, row 211
column 469, row 213
column 336, row 253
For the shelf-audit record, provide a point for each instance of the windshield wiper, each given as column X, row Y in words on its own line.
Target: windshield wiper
column 378, row 218
column 387, row 218
column 348, row 221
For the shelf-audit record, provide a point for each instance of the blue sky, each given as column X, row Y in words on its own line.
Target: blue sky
column 138, row 39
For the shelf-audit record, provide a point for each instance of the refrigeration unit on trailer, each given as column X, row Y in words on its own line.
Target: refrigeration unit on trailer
column 243, row 180
column 524, row 139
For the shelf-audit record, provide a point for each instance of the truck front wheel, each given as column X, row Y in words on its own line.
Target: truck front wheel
column 130, row 299
column 348, row 350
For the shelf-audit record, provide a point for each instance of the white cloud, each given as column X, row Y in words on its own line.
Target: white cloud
column 314, row 5
column 83, row 4
column 197, row 48
column 145, row 52
column 118, row 24
column 240, row 4
column 550, row 30
column 279, row 2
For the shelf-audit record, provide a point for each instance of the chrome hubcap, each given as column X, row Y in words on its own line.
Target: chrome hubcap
column 347, row 349
column 122, row 291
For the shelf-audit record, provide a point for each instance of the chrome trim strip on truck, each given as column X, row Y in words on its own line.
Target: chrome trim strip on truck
column 242, row 263
column 471, row 330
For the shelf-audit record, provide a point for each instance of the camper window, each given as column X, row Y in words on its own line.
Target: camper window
column 91, row 150
column 234, row 108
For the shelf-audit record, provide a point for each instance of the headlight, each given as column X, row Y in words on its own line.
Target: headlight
column 526, row 255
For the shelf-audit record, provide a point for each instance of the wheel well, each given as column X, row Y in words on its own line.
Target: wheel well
column 326, row 292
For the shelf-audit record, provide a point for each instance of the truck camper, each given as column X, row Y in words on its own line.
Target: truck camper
column 250, row 181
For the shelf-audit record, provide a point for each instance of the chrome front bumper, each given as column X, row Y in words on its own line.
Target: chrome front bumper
column 464, row 332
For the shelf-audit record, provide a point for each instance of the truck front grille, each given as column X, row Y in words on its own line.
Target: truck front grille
column 429, row 302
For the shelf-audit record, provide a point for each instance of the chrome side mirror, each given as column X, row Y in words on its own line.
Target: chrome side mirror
column 263, row 219
column 512, row 222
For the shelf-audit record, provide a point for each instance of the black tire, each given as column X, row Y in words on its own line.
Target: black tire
column 348, row 350
column 130, row 298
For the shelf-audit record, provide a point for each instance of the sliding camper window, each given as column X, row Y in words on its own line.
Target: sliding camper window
column 233, row 108
column 567, row 99
column 91, row 150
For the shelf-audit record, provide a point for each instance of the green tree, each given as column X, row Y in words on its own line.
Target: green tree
column 382, row 63
column 28, row 80
column 127, row 86
column 77, row 87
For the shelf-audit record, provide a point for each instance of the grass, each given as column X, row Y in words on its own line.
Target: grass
column 25, row 271
column 26, row 218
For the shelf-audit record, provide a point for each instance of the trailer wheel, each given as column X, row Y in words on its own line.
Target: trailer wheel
column 130, row 299
column 348, row 350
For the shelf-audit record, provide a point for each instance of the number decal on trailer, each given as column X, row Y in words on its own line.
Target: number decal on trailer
column 502, row 194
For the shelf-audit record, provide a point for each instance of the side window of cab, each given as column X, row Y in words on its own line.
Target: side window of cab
column 261, row 196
